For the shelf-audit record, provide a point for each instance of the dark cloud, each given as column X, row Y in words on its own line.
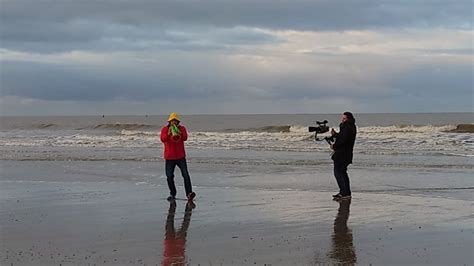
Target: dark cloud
column 184, row 80
column 55, row 82
column 49, row 26
column 46, row 81
column 213, row 51
column 463, row 51
column 434, row 80
column 48, row 37
column 297, row 14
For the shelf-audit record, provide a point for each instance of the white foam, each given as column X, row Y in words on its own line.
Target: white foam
column 299, row 129
column 392, row 139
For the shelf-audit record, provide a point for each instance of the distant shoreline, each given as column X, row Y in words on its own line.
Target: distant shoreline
column 460, row 122
column 230, row 114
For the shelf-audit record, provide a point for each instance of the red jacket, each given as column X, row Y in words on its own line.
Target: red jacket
column 174, row 149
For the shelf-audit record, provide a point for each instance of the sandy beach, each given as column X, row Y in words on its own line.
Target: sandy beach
column 53, row 219
column 92, row 191
column 269, row 110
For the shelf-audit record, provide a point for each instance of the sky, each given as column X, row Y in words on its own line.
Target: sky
column 133, row 57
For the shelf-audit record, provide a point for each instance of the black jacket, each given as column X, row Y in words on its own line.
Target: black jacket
column 344, row 144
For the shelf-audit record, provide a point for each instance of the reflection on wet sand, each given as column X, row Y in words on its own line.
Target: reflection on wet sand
column 175, row 241
column 342, row 249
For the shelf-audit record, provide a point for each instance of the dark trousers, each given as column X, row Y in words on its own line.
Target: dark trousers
column 342, row 178
column 170, row 165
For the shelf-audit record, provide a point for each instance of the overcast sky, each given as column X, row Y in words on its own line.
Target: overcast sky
column 81, row 57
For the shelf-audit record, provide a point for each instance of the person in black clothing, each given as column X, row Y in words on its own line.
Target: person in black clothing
column 342, row 249
column 342, row 156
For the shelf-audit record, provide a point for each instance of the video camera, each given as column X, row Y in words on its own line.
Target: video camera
column 321, row 128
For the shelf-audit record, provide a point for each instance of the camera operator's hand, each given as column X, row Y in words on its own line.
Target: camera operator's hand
column 333, row 132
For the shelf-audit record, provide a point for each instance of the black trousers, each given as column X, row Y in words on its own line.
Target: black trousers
column 170, row 165
column 342, row 178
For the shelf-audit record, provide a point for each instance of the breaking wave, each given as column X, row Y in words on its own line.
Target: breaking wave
column 46, row 125
column 268, row 129
column 400, row 128
column 452, row 140
column 120, row 126
column 463, row 128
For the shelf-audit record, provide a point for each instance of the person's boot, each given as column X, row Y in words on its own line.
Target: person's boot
column 191, row 196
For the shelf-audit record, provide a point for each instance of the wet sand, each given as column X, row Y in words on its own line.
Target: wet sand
column 62, row 222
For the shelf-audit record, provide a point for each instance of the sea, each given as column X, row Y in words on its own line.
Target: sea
column 80, row 190
column 397, row 153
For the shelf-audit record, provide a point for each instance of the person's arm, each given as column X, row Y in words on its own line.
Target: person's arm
column 165, row 134
column 184, row 133
column 334, row 134
column 342, row 138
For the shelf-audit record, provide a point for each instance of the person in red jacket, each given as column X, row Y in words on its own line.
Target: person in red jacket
column 173, row 137
column 174, row 244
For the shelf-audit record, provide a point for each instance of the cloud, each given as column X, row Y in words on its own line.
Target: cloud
column 58, row 26
column 178, row 76
column 427, row 80
column 83, row 35
column 297, row 14
column 252, row 56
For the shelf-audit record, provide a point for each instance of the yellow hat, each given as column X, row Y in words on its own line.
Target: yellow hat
column 173, row 116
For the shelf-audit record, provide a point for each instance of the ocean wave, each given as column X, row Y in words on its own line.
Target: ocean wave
column 122, row 126
column 142, row 128
column 456, row 154
column 463, row 128
column 46, row 125
column 268, row 129
column 406, row 129
column 391, row 139
column 401, row 128
column 49, row 126
column 129, row 132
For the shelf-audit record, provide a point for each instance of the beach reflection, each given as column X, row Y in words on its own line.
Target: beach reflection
column 174, row 245
column 342, row 249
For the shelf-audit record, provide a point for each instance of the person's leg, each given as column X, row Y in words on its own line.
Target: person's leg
column 338, row 175
column 169, row 169
column 347, row 185
column 340, row 171
column 184, row 172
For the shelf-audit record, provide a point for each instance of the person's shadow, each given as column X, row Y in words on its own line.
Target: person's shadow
column 174, row 245
column 342, row 249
